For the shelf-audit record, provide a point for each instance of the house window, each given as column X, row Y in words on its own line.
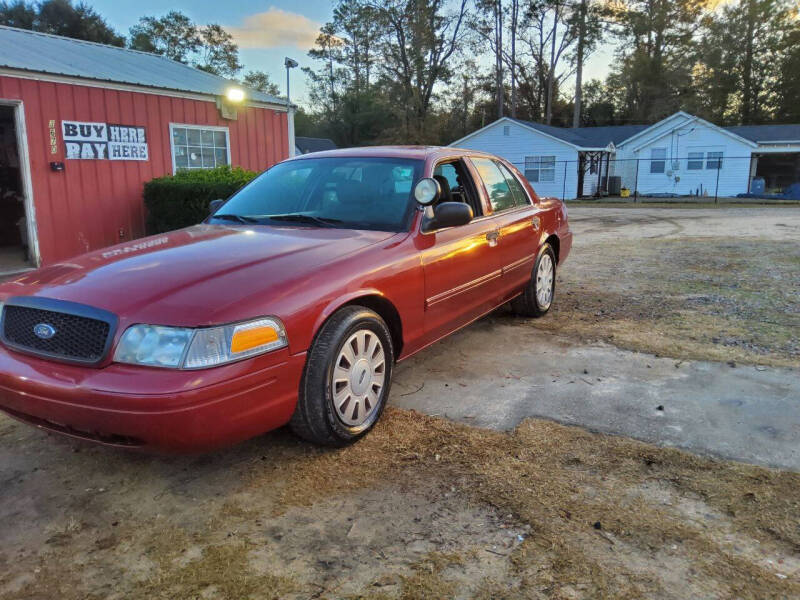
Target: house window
column 695, row 162
column 658, row 160
column 540, row 168
column 199, row 147
column 714, row 160
column 506, row 130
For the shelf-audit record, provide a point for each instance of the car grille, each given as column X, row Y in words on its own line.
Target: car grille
column 76, row 338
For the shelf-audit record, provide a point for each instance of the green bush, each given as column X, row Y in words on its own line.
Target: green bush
column 180, row 200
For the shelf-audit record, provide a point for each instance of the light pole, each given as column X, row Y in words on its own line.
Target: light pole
column 289, row 64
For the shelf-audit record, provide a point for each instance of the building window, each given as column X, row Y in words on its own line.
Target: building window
column 658, row 160
column 199, row 147
column 695, row 162
column 540, row 168
column 506, row 130
column 714, row 160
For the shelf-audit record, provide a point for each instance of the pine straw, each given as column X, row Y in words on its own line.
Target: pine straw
column 562, row 481
column 606, row 517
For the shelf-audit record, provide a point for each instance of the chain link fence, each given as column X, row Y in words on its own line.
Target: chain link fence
column 697, row 177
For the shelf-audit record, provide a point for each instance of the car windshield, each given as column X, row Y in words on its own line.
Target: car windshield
column 342, row 192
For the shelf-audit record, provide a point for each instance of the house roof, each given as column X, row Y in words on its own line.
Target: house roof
column 588, row 137
column 599, row 137
column 310, row 144
column 44, row 53
column 767, row 133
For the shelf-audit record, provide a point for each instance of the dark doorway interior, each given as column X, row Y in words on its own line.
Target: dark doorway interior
column 779, row 170
column 13, row 229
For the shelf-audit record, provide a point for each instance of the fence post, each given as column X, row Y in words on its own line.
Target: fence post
column 716, row 189
column 636, row 183
column 564, row 189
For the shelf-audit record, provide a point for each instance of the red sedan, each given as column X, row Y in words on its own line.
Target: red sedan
column 290, row 304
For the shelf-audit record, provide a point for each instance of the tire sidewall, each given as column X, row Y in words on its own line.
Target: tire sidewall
column 365, row 319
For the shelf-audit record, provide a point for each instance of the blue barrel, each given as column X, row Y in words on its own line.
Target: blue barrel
column 757, row 186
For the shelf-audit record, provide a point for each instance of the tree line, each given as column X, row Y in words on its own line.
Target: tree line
column 431, row 71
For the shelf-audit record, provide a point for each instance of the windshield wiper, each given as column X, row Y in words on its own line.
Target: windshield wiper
column 237, row 218
column 303, row 218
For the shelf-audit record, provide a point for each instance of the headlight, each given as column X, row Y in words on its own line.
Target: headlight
column 187, row 348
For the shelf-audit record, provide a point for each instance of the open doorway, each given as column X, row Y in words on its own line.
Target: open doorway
column 16, row 253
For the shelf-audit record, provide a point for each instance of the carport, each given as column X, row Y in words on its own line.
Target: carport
column 777, row 159
column 779, row 169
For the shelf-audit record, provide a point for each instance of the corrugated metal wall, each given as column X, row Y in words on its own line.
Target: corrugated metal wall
column 86, row 206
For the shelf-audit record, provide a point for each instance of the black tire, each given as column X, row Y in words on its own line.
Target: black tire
column 527, row 304
column 316, row 418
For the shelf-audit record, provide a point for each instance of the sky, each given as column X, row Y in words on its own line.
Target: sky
column 265, row 31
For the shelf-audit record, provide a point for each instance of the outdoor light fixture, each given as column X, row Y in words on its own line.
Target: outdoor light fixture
column 235, row 94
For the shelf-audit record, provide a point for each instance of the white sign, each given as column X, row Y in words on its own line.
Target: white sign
column 102, row 141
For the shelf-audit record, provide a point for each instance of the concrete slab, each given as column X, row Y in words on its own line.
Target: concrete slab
column 501, row 370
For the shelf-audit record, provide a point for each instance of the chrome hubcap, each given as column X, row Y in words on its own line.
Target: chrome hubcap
column 358, row 377
column 544, row 281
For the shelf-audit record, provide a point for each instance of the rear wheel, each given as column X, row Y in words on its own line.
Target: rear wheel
column 346, row 380
column 537, row 297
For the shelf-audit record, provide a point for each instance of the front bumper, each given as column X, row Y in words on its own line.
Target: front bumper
column 157, row 409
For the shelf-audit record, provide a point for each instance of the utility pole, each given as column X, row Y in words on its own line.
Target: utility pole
column 498, row 54
column 514, row 24
column 576, row 114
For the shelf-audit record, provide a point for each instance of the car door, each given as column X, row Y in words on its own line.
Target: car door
column 516, row 220
column 460, row 264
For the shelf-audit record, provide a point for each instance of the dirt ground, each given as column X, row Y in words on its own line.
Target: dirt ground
column 427, row 508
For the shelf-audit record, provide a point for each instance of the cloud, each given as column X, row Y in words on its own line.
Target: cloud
column 275, row 28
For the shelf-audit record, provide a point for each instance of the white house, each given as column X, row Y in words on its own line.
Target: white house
column 681, row 155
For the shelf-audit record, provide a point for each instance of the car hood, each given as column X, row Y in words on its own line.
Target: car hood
column 193, row 276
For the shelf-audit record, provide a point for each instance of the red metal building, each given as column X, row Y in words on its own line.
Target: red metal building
column 83, row 126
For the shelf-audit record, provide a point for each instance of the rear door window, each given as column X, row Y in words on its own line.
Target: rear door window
column 500, row 194
column 520, row 196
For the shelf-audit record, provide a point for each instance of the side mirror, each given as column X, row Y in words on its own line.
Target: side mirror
column 214, row 205
column 449, row 214
column 427, row 191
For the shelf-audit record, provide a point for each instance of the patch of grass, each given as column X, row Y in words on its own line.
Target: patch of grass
column 706, row 298
column 222, row 572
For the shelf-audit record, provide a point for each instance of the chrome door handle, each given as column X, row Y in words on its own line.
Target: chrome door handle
column 492, row 237
column 536, row 222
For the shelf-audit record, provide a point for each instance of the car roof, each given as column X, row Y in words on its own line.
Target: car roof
column 409, row 152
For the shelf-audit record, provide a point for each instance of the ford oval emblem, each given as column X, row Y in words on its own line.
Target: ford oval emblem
column 44, row 331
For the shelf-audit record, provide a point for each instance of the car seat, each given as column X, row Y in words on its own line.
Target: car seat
column 446, row 196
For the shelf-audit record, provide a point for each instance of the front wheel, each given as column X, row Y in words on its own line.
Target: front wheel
column 537, row 297
column 346, row 380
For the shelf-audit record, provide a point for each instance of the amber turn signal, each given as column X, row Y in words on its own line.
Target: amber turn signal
column 246, row 338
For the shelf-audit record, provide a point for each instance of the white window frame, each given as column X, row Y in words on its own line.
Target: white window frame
column 714, row 162
column 695, row 159
column 656, row 160
column 173, row 126
column 534, row 164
